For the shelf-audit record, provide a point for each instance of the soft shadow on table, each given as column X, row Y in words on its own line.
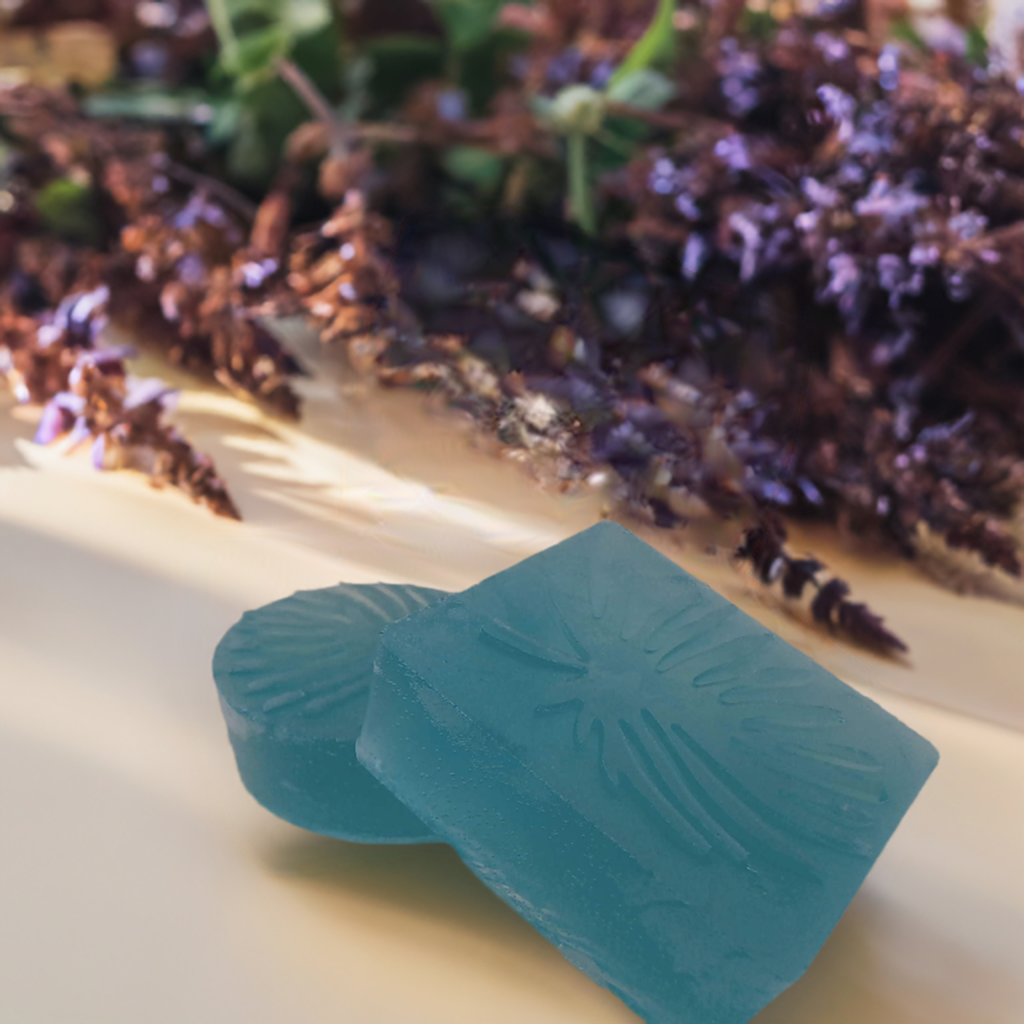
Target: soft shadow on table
column 331, row 515
column 879, row 966
column 262, row 480
column 428, row 880
column 340, row 503
column 853, row 980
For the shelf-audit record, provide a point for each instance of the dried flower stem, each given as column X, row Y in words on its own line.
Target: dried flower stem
column 655, row 118
column 763, row 546
column 581, row 201
column 225, row 193
column 340, row 134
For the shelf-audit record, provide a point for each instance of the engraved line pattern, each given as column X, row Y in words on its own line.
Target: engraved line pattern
column 310, row 653
column 514, row 642
column 619, row 667
column 767, row 827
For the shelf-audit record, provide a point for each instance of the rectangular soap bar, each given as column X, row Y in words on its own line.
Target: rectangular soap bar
column 679, row 800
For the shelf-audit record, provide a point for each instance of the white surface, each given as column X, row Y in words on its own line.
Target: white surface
column 139, row 883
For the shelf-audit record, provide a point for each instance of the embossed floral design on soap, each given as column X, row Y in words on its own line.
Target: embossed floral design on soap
column 294, row 679
column 676, row 797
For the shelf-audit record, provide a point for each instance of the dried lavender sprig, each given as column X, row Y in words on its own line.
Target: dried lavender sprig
column 55, row 357
column 763, row 546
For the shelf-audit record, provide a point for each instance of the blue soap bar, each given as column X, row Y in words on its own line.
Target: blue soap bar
column 679, row 800
column 293, row 679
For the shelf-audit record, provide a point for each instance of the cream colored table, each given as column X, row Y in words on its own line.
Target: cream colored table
column 139, row 884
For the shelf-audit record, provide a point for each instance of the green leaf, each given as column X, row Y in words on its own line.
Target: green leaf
column 254, row 122
column 148, row 104
column 249, row 159
column 542, row 106
column 297, row 17
column 902, row 29
column 357, row 75
column 643, row 88
column 977, row 46
column 305, row 16
column 615, row 145
column 222, row 128
column 400, row 62
column 467, row 22
column 319, row 55
column 257, row 52
column 656, row 46
column 475, row 166
column 67, row 209
column 220, row 12
column 254, row 33
column 6, row 155
column 759, row 25
column 483, row 68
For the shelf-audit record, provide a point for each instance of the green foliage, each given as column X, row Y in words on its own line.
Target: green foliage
column 581, row 197
column 642, row 88
column 253, row 34
column 227, row 112
column 479, row 168
column 7, row 153
column 400, row 62
column 480, row 68
column 467, row 23
column 577, row 109
column 657, row 46
column 254, row 55
column 475, row 48
column 250, row 110
column 67, row 208
column 593, row 140
column 758, row 25
column 902, row 30
column 580, row 113
column 977, row 45
column 257, row 117
column 249, row 157
column 357, row 76
column 149, row 103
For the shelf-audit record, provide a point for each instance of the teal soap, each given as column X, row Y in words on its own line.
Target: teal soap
column 293, row 679
column 680, row 801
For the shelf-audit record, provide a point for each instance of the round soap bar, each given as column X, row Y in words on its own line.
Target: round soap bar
column 293, row 678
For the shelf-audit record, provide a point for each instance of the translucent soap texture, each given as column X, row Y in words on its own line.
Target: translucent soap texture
column 679, row 800
column 293, row 679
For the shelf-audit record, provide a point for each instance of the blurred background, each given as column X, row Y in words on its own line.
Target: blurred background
column 300, row 292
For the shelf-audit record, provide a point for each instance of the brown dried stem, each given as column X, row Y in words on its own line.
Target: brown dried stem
column 225, row 193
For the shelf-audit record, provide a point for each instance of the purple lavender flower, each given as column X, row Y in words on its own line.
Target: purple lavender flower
column 58, row 416
column 113, row 353
column 111, row 361
column 694, row 256
column 83, row 306
column 79, row 433
column 733, row 152
column 452, row 105
column 149, row 389
column 99, row 448
column 893, row 203
column 54, row 422
column 840, row 107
